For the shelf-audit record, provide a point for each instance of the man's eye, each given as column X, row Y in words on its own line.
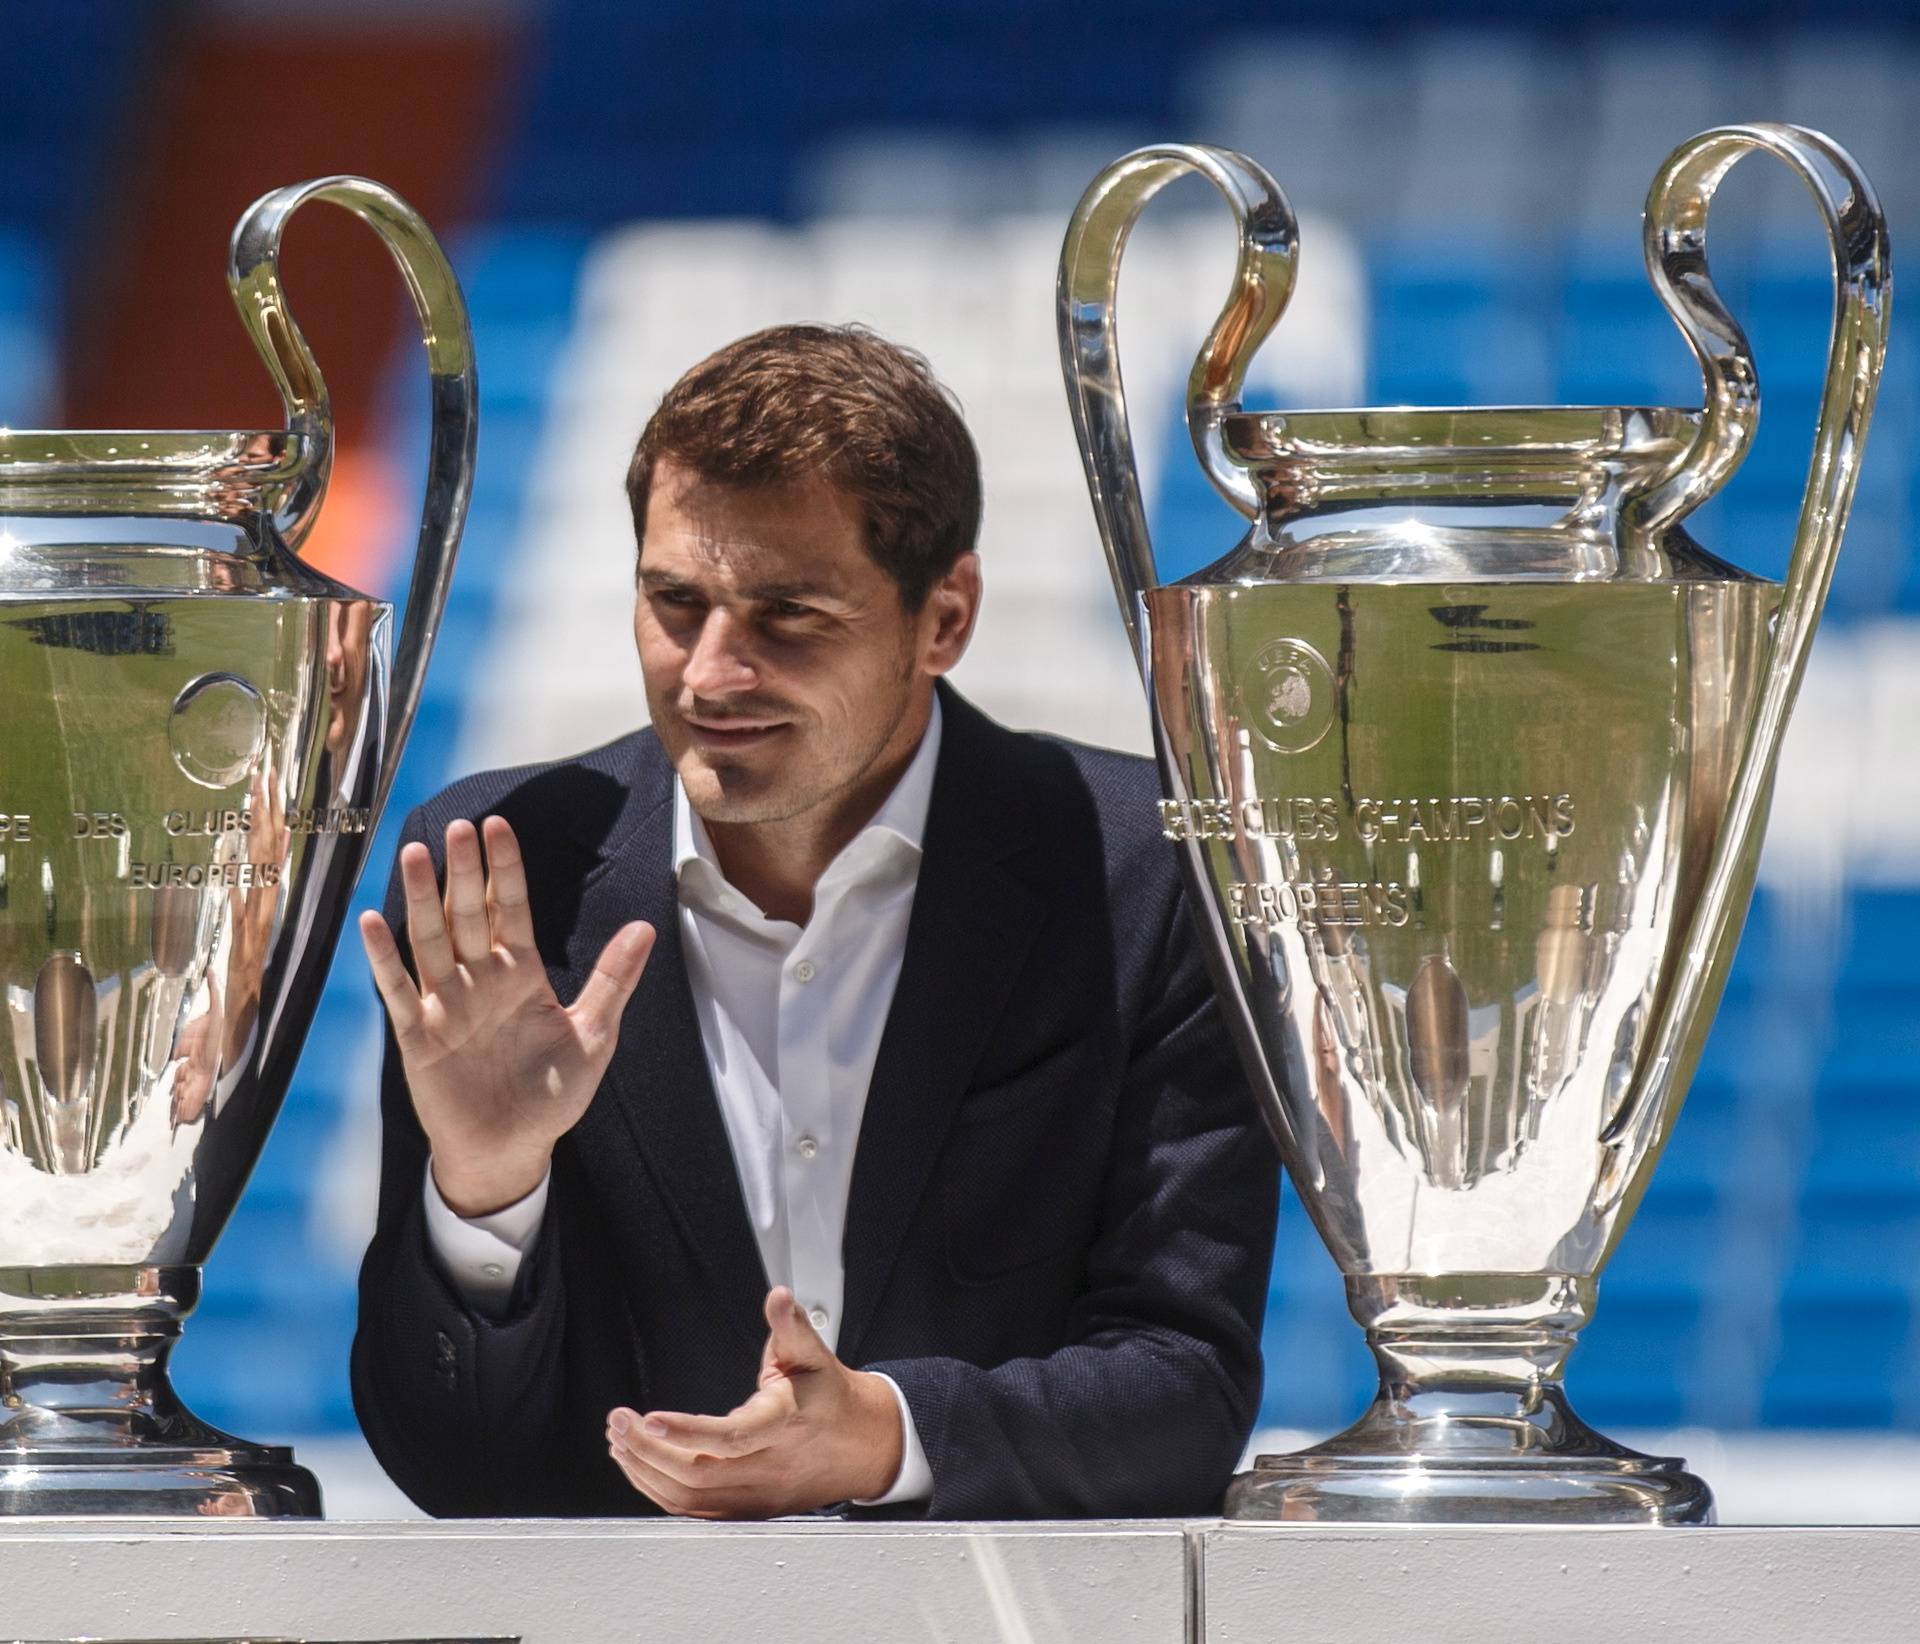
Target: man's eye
column 680, row 598
column 789, row 608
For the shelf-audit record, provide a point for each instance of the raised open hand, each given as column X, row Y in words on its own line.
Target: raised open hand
column 498, row 1068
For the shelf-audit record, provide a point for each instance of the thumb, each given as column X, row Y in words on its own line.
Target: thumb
column 792, row 1341
column 614, row 978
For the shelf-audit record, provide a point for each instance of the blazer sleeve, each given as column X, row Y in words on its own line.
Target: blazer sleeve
column 463, row 1409
column 1146, row 1409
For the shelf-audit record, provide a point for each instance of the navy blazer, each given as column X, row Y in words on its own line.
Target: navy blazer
column 1062, row 1205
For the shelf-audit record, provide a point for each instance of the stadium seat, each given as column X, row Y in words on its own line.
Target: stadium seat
column 720, row 186
column 1843, row 1362
column 1319, row 1374
column 1635, row 1362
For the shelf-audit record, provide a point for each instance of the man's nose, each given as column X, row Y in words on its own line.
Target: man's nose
column 720, row 663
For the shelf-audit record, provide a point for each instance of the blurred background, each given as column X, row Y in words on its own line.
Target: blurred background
column 625, row 184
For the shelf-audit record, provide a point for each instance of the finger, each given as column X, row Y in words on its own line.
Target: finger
column 754, row 1427
column 657, row 1487
column 614, row 978
column 507, row 888
column 426, row 926
column 778, row 1297
column 693, row 1470
column 390, row 977
column 467, row 895
column 792, row 1339
column 692, row 1480
column 687, row 1471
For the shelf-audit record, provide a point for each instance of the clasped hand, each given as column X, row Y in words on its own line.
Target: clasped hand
column 813, row 1433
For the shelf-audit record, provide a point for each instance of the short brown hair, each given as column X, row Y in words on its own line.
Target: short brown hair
column 839, row 402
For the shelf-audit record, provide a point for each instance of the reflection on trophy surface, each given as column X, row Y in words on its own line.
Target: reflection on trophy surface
column 200, row 735
column 1467, row 748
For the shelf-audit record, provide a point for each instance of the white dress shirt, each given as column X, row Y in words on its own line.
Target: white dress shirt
column 790, row 1019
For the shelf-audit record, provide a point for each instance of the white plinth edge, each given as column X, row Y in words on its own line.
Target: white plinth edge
column 1154, row 1582
column 1541, row 1586
column 596, row 1582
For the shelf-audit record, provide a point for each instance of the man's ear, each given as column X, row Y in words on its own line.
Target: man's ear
column 947, row 618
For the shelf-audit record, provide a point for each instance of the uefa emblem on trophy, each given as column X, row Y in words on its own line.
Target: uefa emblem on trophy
column 1467, row 749
column 199, row 736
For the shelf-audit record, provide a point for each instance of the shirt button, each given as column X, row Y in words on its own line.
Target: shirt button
column 818, row 1316
column 805, row 971
column 806, row 1147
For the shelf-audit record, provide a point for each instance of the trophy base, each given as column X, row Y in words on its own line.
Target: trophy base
column 1470, row 1458
column 90, row 1427
column 229, row 1481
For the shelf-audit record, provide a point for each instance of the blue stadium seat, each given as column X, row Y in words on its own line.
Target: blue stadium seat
column 1787, row 313
column 28, row 323
column 1746, row 1040
column 1616, row 344
column 1303, row 1271
column 519, row 273
column 1865, row 1142
column 26, row 274
column 1755, row 960
column 1702, row 1159
column 1876, row 1040
column 1454, row 323
column 264, row 1246
column 235, row 1370
column 1319, row 1374
column 1856, row 1243
column 1755, row 531
column 1843, row 1362
column 72, row 72
column 1669, row 1251
column 520, row 357
column 1635, row 1361
column 1882, row 951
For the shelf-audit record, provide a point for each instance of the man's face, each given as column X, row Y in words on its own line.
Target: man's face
column 780, row 663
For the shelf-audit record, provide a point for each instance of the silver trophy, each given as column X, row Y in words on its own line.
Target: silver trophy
column 1467, row 749
column 199, row 734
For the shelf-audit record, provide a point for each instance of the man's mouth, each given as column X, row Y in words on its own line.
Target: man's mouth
column 732, row 733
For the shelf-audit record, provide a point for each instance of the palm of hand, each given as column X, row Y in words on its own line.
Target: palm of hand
column 813, row 1432
column 499, row 1056
column 498, row 1069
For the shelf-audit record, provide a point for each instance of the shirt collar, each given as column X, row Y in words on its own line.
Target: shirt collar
column 902, row 815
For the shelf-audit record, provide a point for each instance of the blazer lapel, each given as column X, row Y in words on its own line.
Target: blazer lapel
column 973, row 922
column 658, row 1081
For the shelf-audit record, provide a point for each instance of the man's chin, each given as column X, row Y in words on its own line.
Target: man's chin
column 728, row 790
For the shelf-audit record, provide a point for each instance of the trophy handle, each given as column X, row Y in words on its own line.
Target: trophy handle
column 253, row 275
column 1089, row 281
column 1676, row 225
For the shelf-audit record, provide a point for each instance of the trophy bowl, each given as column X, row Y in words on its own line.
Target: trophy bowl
column 1467, row 749
column 200, row 734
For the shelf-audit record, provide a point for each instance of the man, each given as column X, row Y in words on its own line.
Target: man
column 817, row 1098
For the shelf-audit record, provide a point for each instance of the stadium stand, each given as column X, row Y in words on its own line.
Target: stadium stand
column 1471, row 206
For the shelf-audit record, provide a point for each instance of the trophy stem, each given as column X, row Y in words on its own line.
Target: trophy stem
column 89, row 1422
column 1470, row 1423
